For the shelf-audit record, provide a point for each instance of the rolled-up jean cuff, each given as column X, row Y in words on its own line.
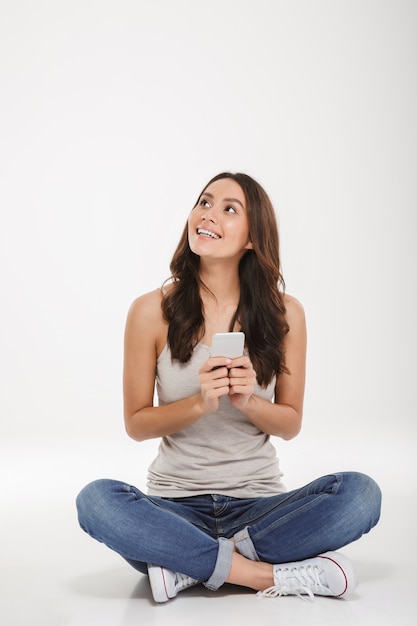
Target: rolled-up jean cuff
column 244, row 545
column 223, row 565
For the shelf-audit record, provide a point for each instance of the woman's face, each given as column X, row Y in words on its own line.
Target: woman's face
column 218, row 225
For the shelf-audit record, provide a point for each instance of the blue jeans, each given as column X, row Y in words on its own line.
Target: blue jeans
column 191, row 535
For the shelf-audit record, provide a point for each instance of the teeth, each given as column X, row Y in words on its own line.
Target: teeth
column 208, row 233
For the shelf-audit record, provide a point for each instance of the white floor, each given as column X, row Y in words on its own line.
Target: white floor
column 52, row 574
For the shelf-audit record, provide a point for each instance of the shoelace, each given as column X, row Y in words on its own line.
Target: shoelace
column 182, row 581
column 299, row 581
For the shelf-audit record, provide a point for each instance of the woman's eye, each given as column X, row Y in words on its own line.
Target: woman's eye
column 204, row 203
column 230, row 209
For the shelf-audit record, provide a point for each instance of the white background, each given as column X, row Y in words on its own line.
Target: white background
column 113, row 116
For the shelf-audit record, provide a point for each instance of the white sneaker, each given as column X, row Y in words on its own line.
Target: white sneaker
column 166, row 584
column 329, row 574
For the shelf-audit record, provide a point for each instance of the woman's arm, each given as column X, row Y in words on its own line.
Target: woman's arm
column 283, row 417
column 145, row 336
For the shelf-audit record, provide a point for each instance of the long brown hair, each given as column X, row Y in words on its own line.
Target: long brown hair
column 261, row 309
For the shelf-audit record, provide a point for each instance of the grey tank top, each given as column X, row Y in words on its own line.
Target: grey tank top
column 221, row 453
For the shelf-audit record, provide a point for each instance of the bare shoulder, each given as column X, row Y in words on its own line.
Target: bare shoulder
column 145, row 324
column 294, row 310
column 146, row 306
column 145, row 316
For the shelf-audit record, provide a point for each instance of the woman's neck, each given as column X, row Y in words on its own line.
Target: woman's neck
column 220, row 293
column 222, row 286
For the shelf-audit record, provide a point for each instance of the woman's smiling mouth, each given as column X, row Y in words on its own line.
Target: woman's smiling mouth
column 207, row 233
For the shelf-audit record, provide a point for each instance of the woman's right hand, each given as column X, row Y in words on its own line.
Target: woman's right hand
column 214, row 382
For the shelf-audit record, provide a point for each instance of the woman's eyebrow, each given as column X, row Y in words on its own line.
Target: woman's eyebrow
column 210, row 195
column 233, row 200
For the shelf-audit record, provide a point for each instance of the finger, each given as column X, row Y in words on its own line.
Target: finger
column 214, row 375
column 242, row 361
column 216, row 362
column 241, row 374
column 241, row 390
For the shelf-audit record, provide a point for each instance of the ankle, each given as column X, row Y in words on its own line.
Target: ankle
column 253, row 574
column 265, row 576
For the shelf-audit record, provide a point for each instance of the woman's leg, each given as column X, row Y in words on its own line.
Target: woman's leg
column 325, row 515
column 141, row 530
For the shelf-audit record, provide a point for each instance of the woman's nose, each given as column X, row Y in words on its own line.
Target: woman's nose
column 210, row 215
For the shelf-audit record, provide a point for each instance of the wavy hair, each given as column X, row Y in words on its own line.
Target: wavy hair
column 261, row 310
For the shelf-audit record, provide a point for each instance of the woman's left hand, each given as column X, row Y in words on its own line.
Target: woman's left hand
column 242, row 381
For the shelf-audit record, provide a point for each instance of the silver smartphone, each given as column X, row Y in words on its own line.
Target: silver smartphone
column 229, row 345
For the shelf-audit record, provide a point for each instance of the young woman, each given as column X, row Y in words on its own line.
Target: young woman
column 216, row 509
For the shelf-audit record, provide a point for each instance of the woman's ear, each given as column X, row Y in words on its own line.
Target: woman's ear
column 249, row 245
